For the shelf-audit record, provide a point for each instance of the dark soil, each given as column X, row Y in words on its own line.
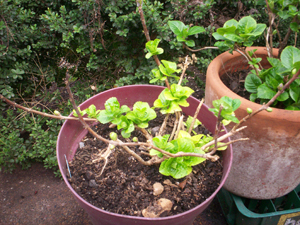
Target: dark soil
column 126, row 186
column 236, row 81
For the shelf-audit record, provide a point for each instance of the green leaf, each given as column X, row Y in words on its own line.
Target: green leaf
column 195, row 30
column 105, row 117
column 189, row 122
column 290, row 107
column 152, row 47
column 246, row 24
column 148, row 55
column 190, row 43
column 141, row 114
column 294, row 91
column 294, row 27
column 223, row 46
column 168, row 68
column 233, row 37
column 170, row 167
column 112, row 104
column 218, row 36
column 252, row 82
column 264, row 92
column 177, row 27
column 231, row 23
column 289, row 56
column 274, row 61
column 253, row 97
column 283, row 97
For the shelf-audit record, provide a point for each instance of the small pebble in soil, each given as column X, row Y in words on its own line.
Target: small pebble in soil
column 81, row 144
column 93, row 183
column 160, row 206
column 89, row 175
column 157, row 188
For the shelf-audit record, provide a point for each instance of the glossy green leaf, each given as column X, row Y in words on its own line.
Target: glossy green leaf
column 289, row 56
column 195, row 30
column 177, row 27
column 265, row 92
column 247, row 24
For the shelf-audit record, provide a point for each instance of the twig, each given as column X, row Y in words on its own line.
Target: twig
column 42, row 113
column 185, row 66
column 197, row 50
column 175, row 125
column 269, row 31
column 164, row 124
column 217, row 130
column 226, row 144
column 247, row 56
column 223, row 137
column 150, row 162
column 286, row 37
column 179, row 126
column 195, row 116
column 103, row 156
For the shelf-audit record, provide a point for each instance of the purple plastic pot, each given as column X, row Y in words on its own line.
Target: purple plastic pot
column 72, row 132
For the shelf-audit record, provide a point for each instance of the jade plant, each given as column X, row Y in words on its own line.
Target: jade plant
column 181, row 149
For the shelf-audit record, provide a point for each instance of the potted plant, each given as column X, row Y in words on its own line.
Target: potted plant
column 267, row 166
column 128, row 109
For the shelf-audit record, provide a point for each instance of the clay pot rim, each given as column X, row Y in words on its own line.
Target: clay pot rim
column 213, row 71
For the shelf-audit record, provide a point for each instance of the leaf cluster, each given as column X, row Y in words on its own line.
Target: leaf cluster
column 182, row 31
column 266, row 85
column 243, row 33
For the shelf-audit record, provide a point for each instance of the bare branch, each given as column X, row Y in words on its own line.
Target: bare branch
column 163, row 126
column 197, row 50
column 30, row 110
column 195, row 115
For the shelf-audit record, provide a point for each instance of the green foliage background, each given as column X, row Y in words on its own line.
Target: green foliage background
column 103, row 38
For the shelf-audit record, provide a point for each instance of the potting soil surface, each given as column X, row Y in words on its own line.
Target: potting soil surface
column 36, row 196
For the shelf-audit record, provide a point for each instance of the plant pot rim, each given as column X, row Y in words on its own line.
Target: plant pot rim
column 216, row 66
column 224, row 177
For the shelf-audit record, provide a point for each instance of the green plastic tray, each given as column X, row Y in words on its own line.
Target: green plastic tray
column 242, row 211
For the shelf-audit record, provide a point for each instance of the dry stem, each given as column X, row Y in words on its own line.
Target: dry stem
column 195, row 116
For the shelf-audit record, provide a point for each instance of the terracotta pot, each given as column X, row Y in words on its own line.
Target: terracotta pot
column 72, row 132
column 268, row 165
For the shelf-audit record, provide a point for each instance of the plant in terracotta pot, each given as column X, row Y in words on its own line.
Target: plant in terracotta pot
column 267, row 166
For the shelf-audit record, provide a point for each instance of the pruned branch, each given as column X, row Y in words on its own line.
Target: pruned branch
column 30, row 110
